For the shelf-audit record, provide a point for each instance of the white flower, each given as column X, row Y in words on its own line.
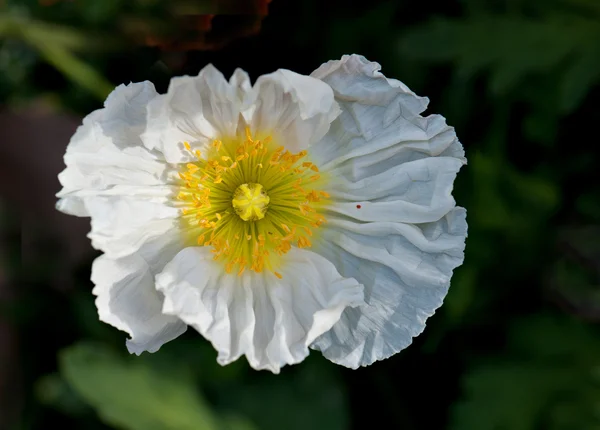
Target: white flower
column 304, row 211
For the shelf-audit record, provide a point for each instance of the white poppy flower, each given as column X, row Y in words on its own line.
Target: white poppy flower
column 304, row 211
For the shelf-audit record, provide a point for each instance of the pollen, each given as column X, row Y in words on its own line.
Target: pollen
column 250, row 200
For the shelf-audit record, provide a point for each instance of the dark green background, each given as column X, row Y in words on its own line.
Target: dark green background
column 515, row 346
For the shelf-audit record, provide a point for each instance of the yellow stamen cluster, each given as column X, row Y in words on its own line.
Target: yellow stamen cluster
column 251, row 201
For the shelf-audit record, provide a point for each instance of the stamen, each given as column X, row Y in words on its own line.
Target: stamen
column 251, row 201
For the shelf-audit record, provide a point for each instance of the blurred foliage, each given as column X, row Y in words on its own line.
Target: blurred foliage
column 176, row 25
column 516, row 344
column 134, row 395
column 548, row 377
column 182, row 387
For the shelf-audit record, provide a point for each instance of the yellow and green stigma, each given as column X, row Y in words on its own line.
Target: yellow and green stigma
column 251, row 201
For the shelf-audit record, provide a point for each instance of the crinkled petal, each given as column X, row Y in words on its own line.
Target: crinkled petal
column 196, row 109
column 241, row 82
column 296, row 110
column 114, row 179
column 272, row 321
column 392, row 223
column 123, row 218
column 128, row 300
column 416, row 191
column 106, row 150
column 383, row 113
column 406, row 271
column 354, row 78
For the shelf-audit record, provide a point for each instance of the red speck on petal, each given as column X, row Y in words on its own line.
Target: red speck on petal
column 358, row 206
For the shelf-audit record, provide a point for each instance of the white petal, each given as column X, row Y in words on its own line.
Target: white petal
column 241, row 82
column 348, row 78
column 195, row 109
column 126, row 217
column 123, row 217
column 114, row 179
column 393, row 224
column 106, row 150
column 406, row 272
column 295, row 109
column 271, row 321
column 380, row 121
column 417, row 191
column 127, row 298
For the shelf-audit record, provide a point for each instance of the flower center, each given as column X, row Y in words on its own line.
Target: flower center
column 251, row 201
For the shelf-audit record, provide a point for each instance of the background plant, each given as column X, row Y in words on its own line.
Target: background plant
column 516, row 345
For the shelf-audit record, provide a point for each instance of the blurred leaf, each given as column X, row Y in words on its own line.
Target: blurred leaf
column 506, row 199
column 309, row 396
column 16, row 60
column 461, row 293
column 362, row 35
column 53, row 390
column 99, row 11
column 541, row 126
column 133, row 395
column 6, row 25
column 535, row 190
column 489, row 208
column 72, row 67
column 504, row 396
column 232, row 422
column 589, row 205
column 581, row 74
column 52, row 34
column 574, row 279
column 557, row 340
column 513, row 48
column 85, row 316
column 504, row 45
column 544, row 381
column 55, row 44
column 200, row 357
column 589, row 6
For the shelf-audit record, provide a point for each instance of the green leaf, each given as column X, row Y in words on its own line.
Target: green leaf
column 574, row 278
column 588, row 204
column 583, row 72
column 588, row 6
column 491, row 210
column 7, row 26
column 133, row 395
column 541, row 126
column 55, row 44
column 461, row 294
column 556, row 339
column 508, row 396
column 69, row 38
column 233, row 422
column 512, row 48
column 545, row 381
column 72, row 67
column 536, row 191
column 309, row 396
column 53, row 390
